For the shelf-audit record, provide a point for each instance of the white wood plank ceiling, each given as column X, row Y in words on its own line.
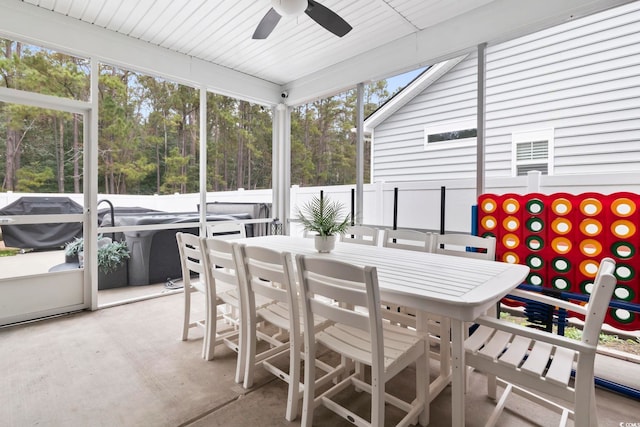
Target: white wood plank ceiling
column 388, row 36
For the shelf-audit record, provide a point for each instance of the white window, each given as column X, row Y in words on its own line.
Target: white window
column 438, row 135
column 532, row 150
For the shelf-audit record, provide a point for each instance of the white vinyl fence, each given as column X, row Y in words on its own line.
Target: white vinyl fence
column 418, row 203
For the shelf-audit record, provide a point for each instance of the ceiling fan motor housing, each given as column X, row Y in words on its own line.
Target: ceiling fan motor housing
column 289, row 7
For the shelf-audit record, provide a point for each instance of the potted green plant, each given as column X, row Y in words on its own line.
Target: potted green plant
column 326, row 219
column 73, row 249
column 112, row 257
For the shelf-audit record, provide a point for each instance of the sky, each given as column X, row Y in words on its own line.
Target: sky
column 401, row 80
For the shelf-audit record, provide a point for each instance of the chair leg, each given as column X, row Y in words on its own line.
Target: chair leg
column 293, row 394
column 377, row 397
column 242, row 351
column 593, row 410
column 211, row 325
column 250, row 353
column 308, row 400
column 584, row 399
column 493, row 419
column 492, row 387
column 187, row 314
column 422, row 384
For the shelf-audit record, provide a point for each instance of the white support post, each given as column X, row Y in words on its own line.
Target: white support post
column 281, row 164
column 203, row 161
column 359, row 154
column 482, row 104
column 90, row 190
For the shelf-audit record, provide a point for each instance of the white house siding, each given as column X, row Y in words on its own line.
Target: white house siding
column 400, row 138
column 581, row 78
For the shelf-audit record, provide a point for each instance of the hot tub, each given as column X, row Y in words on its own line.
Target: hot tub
column 154, row 253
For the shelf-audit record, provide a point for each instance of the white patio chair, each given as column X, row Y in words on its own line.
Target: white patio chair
column 195, row 279
column 273, row 316
column 465, row 245
column 361, row 235
column 461, row 245
column 531, row 360
column 225, row 303
column 362, row 337
column 226, row 230
column 412, row 240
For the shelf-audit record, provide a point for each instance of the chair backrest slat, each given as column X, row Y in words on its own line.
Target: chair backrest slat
column 226, row 230
column 412, row 240
column 268, row 290
column 465, row 245
column 270, row 271
column 220, row 263
column 340, row 315
column 270, row 274
column 361, row 235
column 342, row 287
column 190, row 255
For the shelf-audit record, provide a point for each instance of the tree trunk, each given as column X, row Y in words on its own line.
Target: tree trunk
column 249, row 169
column 11, row 167
column 216, row 166
column 76, row 155
column 240, row 160
column 61, row 155
column 12, row 161
column 166, row 149
column 183, row 150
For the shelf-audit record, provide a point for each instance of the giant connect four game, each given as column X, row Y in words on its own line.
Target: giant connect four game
column 562, row 238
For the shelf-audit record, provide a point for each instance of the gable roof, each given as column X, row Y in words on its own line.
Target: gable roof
column 413, row 89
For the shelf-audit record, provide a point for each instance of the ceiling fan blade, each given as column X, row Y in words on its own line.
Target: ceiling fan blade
column 266, row 25
column 327, row 18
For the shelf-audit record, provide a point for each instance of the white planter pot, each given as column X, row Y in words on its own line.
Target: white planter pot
column 325, row 244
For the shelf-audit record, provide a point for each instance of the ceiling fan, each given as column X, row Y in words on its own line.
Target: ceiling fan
column 319, row 13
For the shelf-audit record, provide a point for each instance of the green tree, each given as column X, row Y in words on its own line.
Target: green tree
column 175, row 179
column 33, row 178
column 37, row 136
column 149, row 132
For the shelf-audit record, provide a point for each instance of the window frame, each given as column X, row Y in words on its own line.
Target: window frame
column 445, row 127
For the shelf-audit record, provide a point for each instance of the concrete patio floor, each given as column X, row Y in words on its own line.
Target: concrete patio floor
column 126, row 366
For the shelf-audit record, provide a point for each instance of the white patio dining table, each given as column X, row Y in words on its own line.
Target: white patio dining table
column 457, row 288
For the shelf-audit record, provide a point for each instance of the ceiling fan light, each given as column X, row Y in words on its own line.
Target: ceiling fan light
column 289, row 7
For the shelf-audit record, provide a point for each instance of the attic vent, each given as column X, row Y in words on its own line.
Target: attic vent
column 533, row 151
